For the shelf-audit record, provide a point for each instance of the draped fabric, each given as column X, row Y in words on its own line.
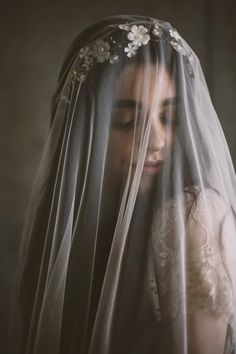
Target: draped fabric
column 129, row 244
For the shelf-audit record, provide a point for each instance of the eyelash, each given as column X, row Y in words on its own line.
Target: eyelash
column 125, row 126
column 166, row 120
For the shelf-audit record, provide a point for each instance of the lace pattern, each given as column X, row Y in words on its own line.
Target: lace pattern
column 193, row 248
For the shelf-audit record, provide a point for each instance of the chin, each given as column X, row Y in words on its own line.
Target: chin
column 146, row 182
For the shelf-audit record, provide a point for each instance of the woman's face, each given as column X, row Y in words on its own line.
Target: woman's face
column 134, row 105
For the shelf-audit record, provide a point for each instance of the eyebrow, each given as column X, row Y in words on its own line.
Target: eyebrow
column 130, row 103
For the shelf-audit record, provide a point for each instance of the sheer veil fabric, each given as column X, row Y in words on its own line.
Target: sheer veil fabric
column 129, row 244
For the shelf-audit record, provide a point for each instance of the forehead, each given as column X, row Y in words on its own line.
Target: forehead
column 150, row 81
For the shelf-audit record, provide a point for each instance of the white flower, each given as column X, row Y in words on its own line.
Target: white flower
column 131, row 50
column 85, row 52
column 174, row 34
column 156, row 30
column 101, row 51
column 138, row 35
column 88, row 62
column 178, row 47
column 124, row 27
column 114, row 58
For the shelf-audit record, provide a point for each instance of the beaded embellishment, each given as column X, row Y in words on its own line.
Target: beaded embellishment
column 108, row 49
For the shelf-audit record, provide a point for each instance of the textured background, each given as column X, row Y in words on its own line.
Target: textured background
column 34, row 36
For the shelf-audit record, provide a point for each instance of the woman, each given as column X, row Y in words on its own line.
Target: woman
column 129, row 244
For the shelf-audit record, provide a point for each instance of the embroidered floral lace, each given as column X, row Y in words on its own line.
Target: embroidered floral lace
column 209, row 257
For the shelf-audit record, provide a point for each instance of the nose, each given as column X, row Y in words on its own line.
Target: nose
column 157, row 137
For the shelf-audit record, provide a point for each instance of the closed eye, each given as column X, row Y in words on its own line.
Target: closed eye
column 167, row 120
column 123, row 119
column 168, row 117
column 123, row 124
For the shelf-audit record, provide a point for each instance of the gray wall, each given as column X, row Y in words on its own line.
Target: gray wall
column 34, row 36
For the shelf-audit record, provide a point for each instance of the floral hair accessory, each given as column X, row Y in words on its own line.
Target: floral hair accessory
column 138, row 34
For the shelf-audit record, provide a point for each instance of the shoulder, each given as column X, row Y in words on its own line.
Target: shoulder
column 199, row 221
column 211, row 246
column 205, row 207
column 194, row 203
column 199, row 214
column 205, row 199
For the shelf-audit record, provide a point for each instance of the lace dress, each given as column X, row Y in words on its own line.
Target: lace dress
column 203, row 264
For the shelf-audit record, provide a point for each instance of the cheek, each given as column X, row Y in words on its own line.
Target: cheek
column 119, row 150
column 170, row 139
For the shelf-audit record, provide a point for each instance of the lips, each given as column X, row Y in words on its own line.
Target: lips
column 152, row 167
column 153, row 163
